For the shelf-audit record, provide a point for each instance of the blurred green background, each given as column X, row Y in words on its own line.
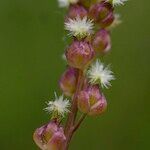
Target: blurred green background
column 31, row 44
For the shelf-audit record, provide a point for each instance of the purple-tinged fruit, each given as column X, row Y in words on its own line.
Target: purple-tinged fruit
column 79, row 54
column 77, row 10
column 68, row 81
column 49, row 136
column 102, row 13
column 91, row 101
column 102, row 41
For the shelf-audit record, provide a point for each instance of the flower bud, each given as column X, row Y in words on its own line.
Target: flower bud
column 91, row 101
column 68, row 81
column 76, row 10
column 49, row 136
column 102, row 13
column 79, row 54
column 102, row 41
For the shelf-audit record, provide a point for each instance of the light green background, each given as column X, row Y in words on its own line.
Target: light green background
column 31, row 43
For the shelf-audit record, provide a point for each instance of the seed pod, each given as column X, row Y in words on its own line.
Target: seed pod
column 102, row 13
column 68, row 81
column 49, row 136
column 76, row 10
column 102, row 41
column 91, row 101
column 79, row 54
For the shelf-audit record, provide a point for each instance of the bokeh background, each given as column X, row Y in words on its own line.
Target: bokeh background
column 32, row 40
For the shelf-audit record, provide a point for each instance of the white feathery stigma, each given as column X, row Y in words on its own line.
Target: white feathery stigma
column 99, row 74
column 66, row 3
column 117, row 2
column 64, row 57
column 59, row 106
column 79, row 27
column 117, row 21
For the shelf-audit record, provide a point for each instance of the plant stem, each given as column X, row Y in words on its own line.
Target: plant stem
column 72, row 115
column 79, row 122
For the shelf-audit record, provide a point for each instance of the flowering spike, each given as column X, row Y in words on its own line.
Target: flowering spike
column 79, row 27
column 98, row 74
column 59, row 107
column 82, row 84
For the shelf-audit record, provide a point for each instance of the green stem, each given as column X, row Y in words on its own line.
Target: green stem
column 73, row 113
column 83, row 116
